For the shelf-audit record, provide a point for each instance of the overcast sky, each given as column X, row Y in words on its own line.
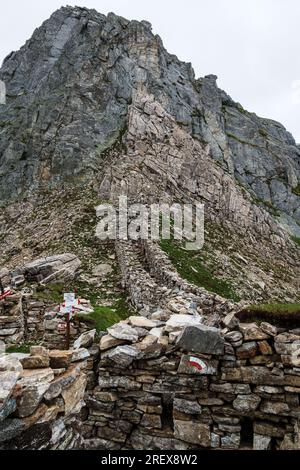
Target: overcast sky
column 252, row 45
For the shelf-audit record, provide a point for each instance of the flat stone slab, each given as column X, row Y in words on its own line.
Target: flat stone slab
column 124, row 331
column 123, row 356
column 108, row 342
column 201, row 339
column 177, row 322
column 85, row 340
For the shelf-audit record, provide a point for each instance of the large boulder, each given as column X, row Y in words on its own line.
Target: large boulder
column 201, row 339
column 52, row 269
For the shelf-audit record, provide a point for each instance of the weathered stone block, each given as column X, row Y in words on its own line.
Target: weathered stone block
column 247, row 350
column 246, row 403
column 261, row 442
column 187, row 406
column 252, row 332
column 274, row 408
column 151, row 421
column 192, row 432
column 108, row 342
column 60, row 359
column 201, row 339
column 231, row 441
column 35, row 362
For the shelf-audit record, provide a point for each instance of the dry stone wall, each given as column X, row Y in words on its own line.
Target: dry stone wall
column 154, row 284
column 183, row 374
column 181, row 385
column 26, row 319
column 11, row 321
column 41, row 397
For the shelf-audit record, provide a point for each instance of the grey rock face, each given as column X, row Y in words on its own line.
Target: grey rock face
column 201, row 339
column 68, row 94
column 11, row 428
column 52, row 268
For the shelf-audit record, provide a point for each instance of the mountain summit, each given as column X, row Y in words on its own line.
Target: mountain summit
column 95, row 103
column 69, row 91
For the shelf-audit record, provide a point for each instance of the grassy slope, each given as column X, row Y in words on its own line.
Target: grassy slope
column 103, row 316
column 191, row 268
column 285, row 315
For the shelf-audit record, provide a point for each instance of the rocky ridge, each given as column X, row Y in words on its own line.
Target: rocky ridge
column 104, row 112
column 108, row 111
column 66, row 111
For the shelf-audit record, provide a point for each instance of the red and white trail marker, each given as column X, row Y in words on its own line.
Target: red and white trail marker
column 6, row 293
column 198, row 363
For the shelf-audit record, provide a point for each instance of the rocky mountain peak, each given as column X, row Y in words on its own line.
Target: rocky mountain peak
column 69, row 90
column 95, row 104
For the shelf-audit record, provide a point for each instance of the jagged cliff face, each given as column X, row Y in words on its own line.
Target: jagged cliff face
column 69, row 92
column 97, row 103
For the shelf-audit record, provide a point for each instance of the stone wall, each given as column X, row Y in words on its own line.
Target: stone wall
column 26, row 319
column 41, row 397
column 162, row 268
column 181, row 385
column 11, row 321
column 153, row 283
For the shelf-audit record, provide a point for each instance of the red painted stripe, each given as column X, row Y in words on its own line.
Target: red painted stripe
column 6, row 294
column 195, row 364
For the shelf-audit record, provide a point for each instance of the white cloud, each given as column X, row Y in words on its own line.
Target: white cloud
column 296, row 92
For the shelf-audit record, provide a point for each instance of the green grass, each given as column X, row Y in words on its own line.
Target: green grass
column 191, row 268
column 103, row 317
column 23, row 348
column 296, row 190
column 296, row 240
column 51, row 292
column 285, row 314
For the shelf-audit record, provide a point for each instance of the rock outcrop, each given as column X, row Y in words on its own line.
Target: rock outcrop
column 40, row 403
column 69, row 91
column 106, row 111
column 97, row 108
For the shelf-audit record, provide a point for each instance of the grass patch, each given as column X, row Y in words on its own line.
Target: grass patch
column 284, row 315
column 20, row 349
column 52, row 292
column 296, row 240
column 104, row 317
column 191, row 268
